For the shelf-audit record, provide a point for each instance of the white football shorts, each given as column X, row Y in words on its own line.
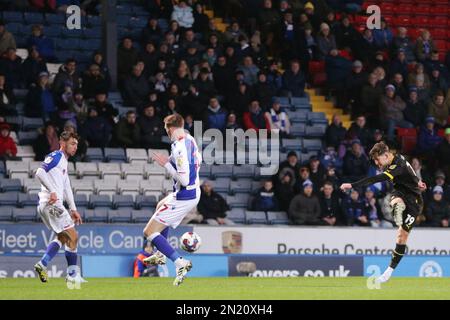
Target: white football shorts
column 56, row 222
column 171, row 211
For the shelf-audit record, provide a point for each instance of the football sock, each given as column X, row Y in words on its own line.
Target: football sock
column 397, row 255
column 165, row 232
column 71, row 257
column 161, row 243
column 52, row 250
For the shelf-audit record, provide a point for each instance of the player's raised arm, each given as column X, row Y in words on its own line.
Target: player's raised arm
column 366, row 181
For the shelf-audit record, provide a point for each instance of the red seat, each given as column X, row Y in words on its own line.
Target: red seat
column 388, row 19
column 406, row 9
column 420, row 21
column 406, row 132
column 360, row 19
column 422, row 10
column 316, row 67
column 438, row 21
column 402, row 21
column 441, row 45
column 438, row 34
column 441, row 133
column 387, row 8
column 414, row 33
column 319, row 79
column 439, row 11
column 408, row 144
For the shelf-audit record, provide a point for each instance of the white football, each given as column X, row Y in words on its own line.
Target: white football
column 190, row 241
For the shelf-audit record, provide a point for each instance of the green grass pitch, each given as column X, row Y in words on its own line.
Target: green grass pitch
column 227, row 288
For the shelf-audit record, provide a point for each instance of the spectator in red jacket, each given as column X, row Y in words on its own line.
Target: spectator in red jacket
column 8, row 148
column 255, row 117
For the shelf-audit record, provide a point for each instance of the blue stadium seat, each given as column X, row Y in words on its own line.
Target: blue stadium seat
column 223, row 170
column 277, row 217
column 241, row 186
column 33, row 18
column 120, row 215
column 10, row 185
column 243, row 171
column 163, row 24
column 96, row 201
column 12, row 16
column 146, row 202
column 94, row 21
column 239, row 200
column 28, row 200
column 9, row 199
column 27, row 137
column 317, row 130
column 81, row 200
column 141, row 216
column 96, row 215
column 302, row 106
column 74, row 33
column 92, row 33
column 317, row 117
column 292, row 144
column 120, row 200
column 30, row 124
column 312, row 144
column 255, row 217
column 299, row 100
column 24, row 214
column 299, row 116
column 2, row 168
column 138, row 23
column 284, row 101
column 222, row 185
column 115, row 155
column 236, row 215
column 298, row 129
column 55, row 19
column 94, row 155
column 53, row 31
column 205, row 171
column 15, row 28
column 91, row 44
column 6, row 213
column 123, row 20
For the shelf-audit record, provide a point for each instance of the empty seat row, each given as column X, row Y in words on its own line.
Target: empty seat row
column 240, row 215
column 22, row 200
column 125, row 215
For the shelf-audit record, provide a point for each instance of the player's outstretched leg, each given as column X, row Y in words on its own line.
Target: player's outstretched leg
column 41, row 266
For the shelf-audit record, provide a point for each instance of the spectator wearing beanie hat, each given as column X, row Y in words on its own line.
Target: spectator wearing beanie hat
column 428, row 139
column 438, row 210
column 304, row 209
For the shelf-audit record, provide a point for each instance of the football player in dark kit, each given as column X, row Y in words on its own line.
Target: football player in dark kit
column 406, row 201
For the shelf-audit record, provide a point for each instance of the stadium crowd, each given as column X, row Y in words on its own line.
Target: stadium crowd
column 228, row 79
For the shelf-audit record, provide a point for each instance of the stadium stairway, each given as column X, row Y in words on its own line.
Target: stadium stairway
column 319, row 104
column 221, row 25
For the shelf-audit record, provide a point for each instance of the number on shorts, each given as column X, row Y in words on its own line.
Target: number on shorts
column 409, row 220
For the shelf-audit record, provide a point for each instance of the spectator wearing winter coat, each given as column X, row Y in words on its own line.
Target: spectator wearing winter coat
column 355, row 162
column 371, row 94
column 183, row 14
column 44, row 45
column 151, row 127
column 11, row 67
column 424, row 46
column 278, row 119
column 391, row 109
column 354, row 210
column 212, row 206
column 439, row 110
column 265, row 199
column 127, row 57
column 151, row 33
column 46, row 142
column 284, row 191
column 94, row 81
column 127, row 131
column 289, row 166
column 136, row 87
column 358, row 130
column 40, row 101
column 7, row 99
column 325, row 41
column 6, row 39
column 215, row 116
column 316, row 173
column 443, row 153
column 104, row 108
column 97, row 130
column 294, row 81
column 402, row 42
column 264, row 91
column 438, row 210
column 383, row 37
column 337, row 69
column 330, row 206
column 415, row 110
column 335, row 132
column 8, row 148
column 33, row 65
column 67, row 76
column 255, row 118
column 250, row 71
column 428, row 139
column 304, row 208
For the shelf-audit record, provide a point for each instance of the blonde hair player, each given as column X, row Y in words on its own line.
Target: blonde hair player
column 183, row 165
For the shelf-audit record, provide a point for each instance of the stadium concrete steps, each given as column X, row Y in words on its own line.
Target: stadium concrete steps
column 320, row 104
column 221, row 26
